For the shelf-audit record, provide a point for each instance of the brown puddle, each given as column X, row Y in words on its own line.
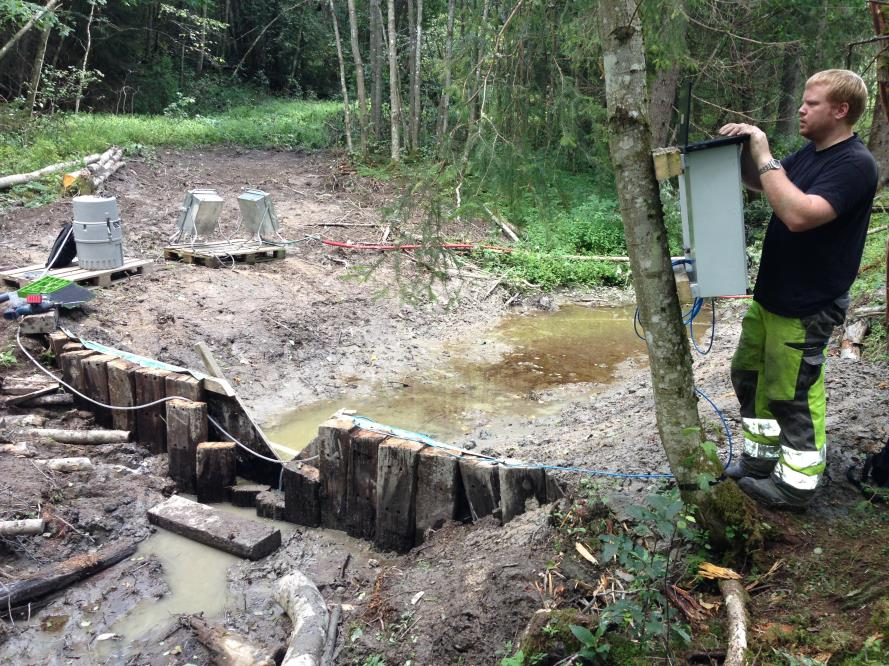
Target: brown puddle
column 501, row 374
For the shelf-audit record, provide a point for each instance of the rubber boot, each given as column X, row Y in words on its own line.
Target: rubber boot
column 749, row 466
column 775, row 494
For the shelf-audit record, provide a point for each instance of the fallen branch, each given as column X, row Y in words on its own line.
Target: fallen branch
column 61, row 575
column 302, row 601
column 77, row 464
column 227, row 648
column 869, row 312
column 508, row 230
column 21, row 178
column 32, row 395
column 330, row 645
column 81, row 436
column 52, row 400
column 25, row 527
column 91, row 177
column 736, row 612
column 877, row 230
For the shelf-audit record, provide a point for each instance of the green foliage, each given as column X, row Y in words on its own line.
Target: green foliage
column 7, row 358
column 594, row 646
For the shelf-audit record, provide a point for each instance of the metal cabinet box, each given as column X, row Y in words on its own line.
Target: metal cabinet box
column 712, row 206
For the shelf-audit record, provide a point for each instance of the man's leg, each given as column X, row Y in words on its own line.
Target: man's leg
column 761, row 430
column 794, row 384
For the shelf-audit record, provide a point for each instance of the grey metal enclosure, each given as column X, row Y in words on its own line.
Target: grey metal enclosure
column 712, row 205
column 98, row 232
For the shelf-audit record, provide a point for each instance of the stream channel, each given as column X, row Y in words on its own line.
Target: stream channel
column 529, row 365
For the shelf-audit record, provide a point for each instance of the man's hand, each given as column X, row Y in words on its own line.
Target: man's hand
column 759, row 143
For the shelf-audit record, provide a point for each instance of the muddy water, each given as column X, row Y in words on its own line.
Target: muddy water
column 507, row 371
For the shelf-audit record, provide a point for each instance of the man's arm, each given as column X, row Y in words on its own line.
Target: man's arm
column 796, row 209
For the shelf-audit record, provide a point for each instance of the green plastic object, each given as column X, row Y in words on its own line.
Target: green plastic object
column 45, row 285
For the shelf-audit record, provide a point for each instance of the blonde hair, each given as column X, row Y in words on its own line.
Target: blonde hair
column 843, row 86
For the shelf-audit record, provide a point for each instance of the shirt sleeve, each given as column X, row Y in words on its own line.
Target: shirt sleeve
column 844, row 183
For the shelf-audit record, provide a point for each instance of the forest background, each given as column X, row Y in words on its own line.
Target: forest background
column 480, row 109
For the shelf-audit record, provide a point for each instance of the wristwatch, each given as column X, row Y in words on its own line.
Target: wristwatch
column 769, row 166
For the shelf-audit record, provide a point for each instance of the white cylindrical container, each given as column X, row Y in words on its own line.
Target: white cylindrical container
column 98, row 233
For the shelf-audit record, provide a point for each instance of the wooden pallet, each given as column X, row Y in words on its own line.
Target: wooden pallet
column 224, row 253
column 19, row 277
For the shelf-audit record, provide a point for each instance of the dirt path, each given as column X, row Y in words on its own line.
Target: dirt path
column 294, row 331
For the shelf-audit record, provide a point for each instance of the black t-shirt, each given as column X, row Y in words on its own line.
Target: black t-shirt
column 803, row 272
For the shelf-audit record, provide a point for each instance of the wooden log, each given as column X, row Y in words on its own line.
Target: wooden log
column 57, row 340
column 186, row 428
column 52, row 400
column 26, row 527
column 361, row 487
column 95, row 382
column 21, row 421
column 481, row 483
column 81, row 436
column 78, row 464
column 271, row 504
column 122, row 393
column 736, row 615
column 302, row 490
column 71, row 346
column 229, row 412
column 61, row 575
column 236, row 535
column 334, row 462
column 245, row 494
column 226, row 647
column 396, row 490
column 214, row 470
column 19, row 178
column 73, row 374
column 185, row 386
column 439, row 490
column 303, row 603
column 30, row 396
column 518, row 484
column 150, row 426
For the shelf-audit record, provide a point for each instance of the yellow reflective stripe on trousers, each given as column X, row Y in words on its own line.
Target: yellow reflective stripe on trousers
column 803, row 461
column 763, row 427
column 796, row 479
column 761, row 451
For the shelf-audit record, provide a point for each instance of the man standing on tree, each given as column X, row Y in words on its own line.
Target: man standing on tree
column 821, row 197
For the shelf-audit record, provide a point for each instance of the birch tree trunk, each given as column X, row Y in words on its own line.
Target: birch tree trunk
column 339, row 54
column 646, row 236
column 200, row 67
column 394, row 95
column 86, row 56
column 24, row 29
column 416, row 111
column 442, row 125
column 37, row 71
column 376, row 69
column 359, row 78
column 411, row 70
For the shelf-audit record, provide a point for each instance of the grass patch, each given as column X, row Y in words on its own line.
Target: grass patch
column 26, row 144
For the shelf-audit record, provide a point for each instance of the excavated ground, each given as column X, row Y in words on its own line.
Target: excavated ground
column 294, row 331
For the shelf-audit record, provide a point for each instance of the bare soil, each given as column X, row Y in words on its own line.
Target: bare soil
column 291, row 332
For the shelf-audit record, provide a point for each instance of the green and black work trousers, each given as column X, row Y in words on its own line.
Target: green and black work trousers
column 778, row 376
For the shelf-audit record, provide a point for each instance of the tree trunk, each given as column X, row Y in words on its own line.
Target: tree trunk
column 37, row 71
column 359, row 78
column 203, row 44
column 786, row 122
column 442, row 125
column 86, row 56
column 343, row 88
column 878, row 141
column 646, row 237
column 411, row 65
column 416, row 111
column 394, row 96
column 376, row 69
column 24, row 29
column 663, row 95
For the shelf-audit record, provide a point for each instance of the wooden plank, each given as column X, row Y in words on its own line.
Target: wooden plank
column 271, row 504
column 361, row 486
column 72, row 373
column 302, row 499
column 57, row 340
column 96, row 278
column 215, row 470
column 204, row 524
column 439, row 490
column 186, row 428
column 334, row 462
column 151, row 386
column 396, row 490
column 95, row 381
column 122, row 393
column 229, row 412
column 518, row 484
column 184, row 386
column 244, row 494
column 481, row 484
